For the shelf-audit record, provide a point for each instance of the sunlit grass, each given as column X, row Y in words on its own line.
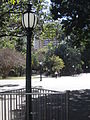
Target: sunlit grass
column 20, row 78
column 13, row 78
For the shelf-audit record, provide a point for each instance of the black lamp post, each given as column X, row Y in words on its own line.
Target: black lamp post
column 29, row 21
column 40, row 71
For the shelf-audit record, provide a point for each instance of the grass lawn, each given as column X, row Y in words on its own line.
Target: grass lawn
column 19, row 78
column 13, row 78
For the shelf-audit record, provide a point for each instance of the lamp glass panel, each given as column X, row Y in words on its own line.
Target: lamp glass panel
column 26, row 20
column 31, row 20
column 35, row 21
column 22, row 22
column 40, row 63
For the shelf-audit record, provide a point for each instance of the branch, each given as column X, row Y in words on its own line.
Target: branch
column 11, row 10
column 15, row 35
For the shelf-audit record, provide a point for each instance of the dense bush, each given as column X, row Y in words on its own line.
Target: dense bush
column 10, row 59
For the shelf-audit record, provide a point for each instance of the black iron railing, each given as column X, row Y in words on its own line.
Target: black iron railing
column 46, row 105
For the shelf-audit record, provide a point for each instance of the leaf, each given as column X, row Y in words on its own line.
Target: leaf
column 17, row 1
column 13, row 1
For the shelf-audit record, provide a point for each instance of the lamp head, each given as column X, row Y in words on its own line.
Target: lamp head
column 40, row 63
column 29, row 18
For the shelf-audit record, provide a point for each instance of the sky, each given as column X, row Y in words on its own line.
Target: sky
column 48, row 1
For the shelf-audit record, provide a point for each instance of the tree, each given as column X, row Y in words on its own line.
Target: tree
column 52, row 31
column 86, row 58
column 7, row 43
column 10, row 20
column 11, row 30
column 11, row 15
column 75, row 16
column 41, row 53
column 35, row 62
column 75, row 20
column 14, row 1
column 71, row 57
column 53, row 64
column 10, row 59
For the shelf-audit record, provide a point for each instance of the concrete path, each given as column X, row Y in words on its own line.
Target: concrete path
column 81, row 81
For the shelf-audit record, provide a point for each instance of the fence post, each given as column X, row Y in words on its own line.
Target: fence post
column 67, row 105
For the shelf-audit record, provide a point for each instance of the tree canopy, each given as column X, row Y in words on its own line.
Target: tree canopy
column 11, row 15
column 62, row 54
column 75, row 16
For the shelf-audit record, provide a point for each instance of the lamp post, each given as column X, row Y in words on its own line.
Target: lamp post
column 40, row 71
column 29, row 21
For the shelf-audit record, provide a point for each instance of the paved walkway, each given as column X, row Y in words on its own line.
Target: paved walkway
column 81, row 81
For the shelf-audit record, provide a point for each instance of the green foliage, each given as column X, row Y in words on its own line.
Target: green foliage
column 11, row 15
column 35, row 61
column 57, row 63
column 20, row 45
column 73, row 52
column 86, row 58
column 51, row 49
column 12, row 34
column 53, row 64
column 7, row 43
column 40, row 7
column 71, row 57
column 51, row 31
column 13, row 1
column 10, row 22
column 75, row 16
column 41, row 54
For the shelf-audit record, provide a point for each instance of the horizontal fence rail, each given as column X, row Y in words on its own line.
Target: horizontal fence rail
column 46, row 105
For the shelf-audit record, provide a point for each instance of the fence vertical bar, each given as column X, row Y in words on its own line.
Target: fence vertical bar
column 67, row 105
column 8, row 106
column 11, row 107
column 4, row 107
column 61, row 107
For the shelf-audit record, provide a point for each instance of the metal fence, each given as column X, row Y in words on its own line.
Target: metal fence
column 46, row 105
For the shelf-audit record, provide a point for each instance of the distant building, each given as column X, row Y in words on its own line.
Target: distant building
column 46, row 42
column 38, row 44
